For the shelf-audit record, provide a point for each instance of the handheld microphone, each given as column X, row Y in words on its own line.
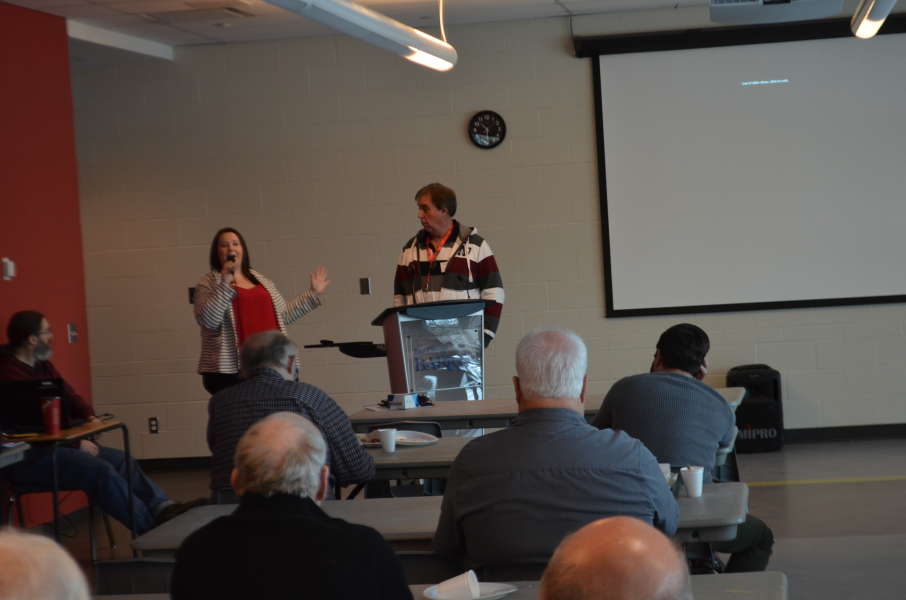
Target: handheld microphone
column 232, row 258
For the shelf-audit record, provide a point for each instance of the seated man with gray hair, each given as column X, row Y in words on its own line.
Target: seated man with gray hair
column 279, row 544
column 269, row 362
column 33, row 567
column 619, row 558
column 514, row 494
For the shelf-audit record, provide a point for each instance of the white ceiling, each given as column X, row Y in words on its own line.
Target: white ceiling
column 183, row 22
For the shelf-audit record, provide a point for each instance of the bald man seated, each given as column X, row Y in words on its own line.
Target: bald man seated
column 619, row 558
column 279, row 544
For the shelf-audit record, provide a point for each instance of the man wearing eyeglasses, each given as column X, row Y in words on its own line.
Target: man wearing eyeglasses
column 98, row 471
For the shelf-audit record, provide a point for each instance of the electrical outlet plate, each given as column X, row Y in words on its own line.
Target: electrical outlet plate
column 365, row 286
column 8, row 268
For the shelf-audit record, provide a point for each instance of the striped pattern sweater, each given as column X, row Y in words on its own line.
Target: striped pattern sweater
column 464, row 269
column 214, row 312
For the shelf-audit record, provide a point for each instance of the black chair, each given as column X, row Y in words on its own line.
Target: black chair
column 701, row 559
column 528, row 571
column 133, row 576
column 224, row 497
column 426, row 567
column 15, row 507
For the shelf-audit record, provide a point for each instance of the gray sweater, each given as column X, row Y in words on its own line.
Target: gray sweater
column 680, row 419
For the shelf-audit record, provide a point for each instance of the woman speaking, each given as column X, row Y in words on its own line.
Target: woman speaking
column 234, row 301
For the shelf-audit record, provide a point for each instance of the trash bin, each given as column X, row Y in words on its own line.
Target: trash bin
column 760, row 416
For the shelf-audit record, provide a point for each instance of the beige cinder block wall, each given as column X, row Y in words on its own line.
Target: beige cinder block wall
column 313, row 148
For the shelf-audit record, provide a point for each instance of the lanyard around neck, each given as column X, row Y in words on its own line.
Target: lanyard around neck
column 432, row 256
column 432, row 253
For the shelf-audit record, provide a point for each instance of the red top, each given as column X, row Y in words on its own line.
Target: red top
column 254, row 311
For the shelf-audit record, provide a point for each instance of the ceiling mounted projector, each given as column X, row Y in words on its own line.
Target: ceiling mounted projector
column 373, row 27
column 751, row 12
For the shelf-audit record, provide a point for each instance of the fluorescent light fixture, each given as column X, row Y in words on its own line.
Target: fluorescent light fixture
column 375, row 28
column 869, row 17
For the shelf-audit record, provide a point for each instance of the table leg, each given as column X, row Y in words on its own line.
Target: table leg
column 55, row 494
column 129, row 479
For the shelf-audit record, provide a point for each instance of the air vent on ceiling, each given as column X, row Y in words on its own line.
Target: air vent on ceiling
column 209, row 14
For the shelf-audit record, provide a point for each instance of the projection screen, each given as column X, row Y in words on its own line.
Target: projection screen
column 754, row 176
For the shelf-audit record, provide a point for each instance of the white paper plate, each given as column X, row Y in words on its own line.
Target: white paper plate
column 489, row 591
column 403, row 438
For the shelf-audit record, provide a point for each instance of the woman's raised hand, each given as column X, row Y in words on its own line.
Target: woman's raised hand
column 319, row 280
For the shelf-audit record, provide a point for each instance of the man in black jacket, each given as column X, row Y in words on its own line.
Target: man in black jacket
column 279, row 543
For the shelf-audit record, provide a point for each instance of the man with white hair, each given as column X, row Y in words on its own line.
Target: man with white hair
column 513, row 495
column 33, row 567
column 279, row 543
column 618, row 558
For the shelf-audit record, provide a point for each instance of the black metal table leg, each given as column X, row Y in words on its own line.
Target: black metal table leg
column 129, row 479
column 56, row 495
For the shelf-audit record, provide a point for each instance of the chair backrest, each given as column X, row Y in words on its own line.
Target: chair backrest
column 426, row 567
column 724, row 451
column 432, row 427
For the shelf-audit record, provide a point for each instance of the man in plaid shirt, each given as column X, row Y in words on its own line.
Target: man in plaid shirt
column 269, row 364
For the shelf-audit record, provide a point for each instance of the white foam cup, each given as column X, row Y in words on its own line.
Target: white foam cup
column 388, row 439
column 665, row 470
column 692, row 480
column 462, row 587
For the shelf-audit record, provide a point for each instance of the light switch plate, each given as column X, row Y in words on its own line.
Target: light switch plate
column 365, row 286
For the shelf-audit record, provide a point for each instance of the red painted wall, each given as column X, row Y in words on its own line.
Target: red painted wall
column 40, row 226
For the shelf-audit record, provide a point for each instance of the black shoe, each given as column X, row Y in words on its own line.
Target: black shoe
column 177, row 508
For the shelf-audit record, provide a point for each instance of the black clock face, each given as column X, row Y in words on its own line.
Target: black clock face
column 487, row 129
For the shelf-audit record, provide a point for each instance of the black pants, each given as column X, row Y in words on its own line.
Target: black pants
column 751, row 550
column 214, row 382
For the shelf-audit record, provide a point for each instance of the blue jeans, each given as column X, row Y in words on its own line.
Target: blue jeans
column 102, row 477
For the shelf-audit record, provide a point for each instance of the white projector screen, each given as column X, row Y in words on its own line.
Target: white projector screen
column 754, row 176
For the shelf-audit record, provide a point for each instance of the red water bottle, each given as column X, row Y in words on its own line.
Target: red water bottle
column 50, row 407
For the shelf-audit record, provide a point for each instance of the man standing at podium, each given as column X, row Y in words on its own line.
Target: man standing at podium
column 447, row 261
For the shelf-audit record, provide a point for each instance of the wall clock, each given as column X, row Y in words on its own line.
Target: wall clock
column 487, row 129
